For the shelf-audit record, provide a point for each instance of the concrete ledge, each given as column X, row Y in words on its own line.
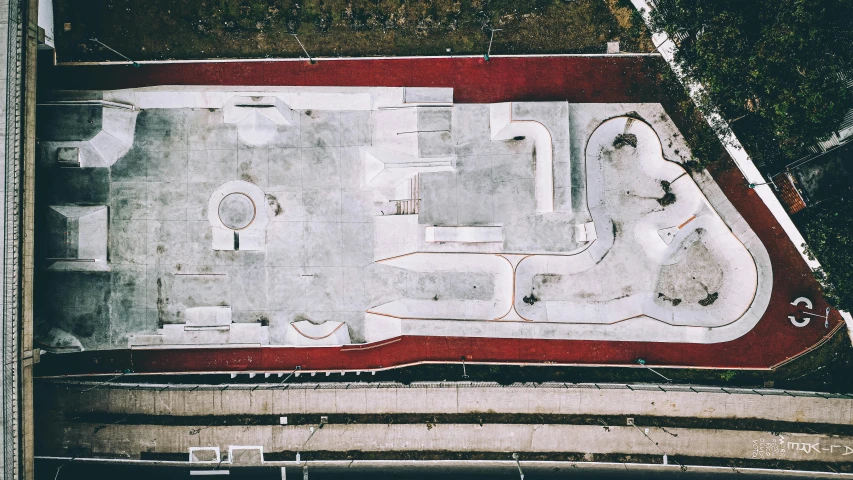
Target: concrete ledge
column 464, row 234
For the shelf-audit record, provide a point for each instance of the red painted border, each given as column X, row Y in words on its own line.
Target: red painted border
column 576, row 79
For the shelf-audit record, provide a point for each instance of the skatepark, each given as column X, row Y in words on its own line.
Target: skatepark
column 311, row 216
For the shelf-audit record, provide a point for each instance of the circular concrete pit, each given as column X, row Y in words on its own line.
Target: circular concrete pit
column 236, row 211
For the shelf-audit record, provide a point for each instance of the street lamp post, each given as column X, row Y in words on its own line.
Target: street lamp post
column 491, row 38
column 753, row 185
column 643, row 363
column 645, row 433
column 310, row 60
column 291, row 374
column 518, row 464
column 115, row 51
column 60, row 468
column 323, row 421
column 825, row 316
column 105, row 382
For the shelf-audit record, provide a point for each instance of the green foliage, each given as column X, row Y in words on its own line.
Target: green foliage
column 704, row 145
column 828, row 229
column 331, row 28
column 728, row 375
column 777, row 63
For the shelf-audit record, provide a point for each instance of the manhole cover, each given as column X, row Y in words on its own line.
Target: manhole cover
column 237, row 211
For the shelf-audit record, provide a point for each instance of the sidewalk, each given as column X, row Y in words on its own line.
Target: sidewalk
column 129, row 441
column 448, row 398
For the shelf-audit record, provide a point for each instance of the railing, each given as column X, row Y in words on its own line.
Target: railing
column 648, row 387
column 411, row 205
column 11, row 243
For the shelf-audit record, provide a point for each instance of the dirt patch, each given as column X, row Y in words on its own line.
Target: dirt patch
column 299, row 317
column 275, row 207
column 674, row 301
column 624, row 139
column 162, row 302
column 709, row 300
column 668, row 197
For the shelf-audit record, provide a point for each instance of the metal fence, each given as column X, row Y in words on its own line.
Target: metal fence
column 647, row 387
column 11, row 239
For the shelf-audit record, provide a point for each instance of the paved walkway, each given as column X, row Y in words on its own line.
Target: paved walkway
column 576, row 79
column 130, row 440
column 444, row 398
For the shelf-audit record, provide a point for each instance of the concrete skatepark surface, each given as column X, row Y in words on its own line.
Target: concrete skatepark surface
column 431, row 284
column 330, row 171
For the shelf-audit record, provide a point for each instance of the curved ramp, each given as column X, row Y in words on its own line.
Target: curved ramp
column 621, row 294
column 305, row 333
column 663, row 265
column 504, row 127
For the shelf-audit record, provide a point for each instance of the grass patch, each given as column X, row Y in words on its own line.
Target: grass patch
column 825, row 369
column 163, row 29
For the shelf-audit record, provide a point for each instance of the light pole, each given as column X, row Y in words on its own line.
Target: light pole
column 60, row 468
column 825, row 316
column 323, row 421
column 492, row 37
column 518, row 464
column 310, row 60
column 646, row 434
column 291, row 374
column 464, row 373
column 643, row 363
column 115, row 51
column 101, row 384
column 753, row 185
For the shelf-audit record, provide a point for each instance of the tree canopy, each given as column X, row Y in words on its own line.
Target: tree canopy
column 777, row 65
column 828, row 228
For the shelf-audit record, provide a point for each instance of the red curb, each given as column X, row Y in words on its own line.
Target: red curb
column 576, row 79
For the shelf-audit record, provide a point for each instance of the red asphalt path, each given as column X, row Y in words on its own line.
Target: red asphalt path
column 576, row 79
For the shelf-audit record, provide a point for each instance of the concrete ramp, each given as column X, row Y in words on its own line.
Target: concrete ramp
column 110, row 143
column 504, row 127
column 205, row 327
column 78, row 238
column 305, row 333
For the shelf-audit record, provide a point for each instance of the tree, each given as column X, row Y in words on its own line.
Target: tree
column 776, row 66
column 828, row 229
